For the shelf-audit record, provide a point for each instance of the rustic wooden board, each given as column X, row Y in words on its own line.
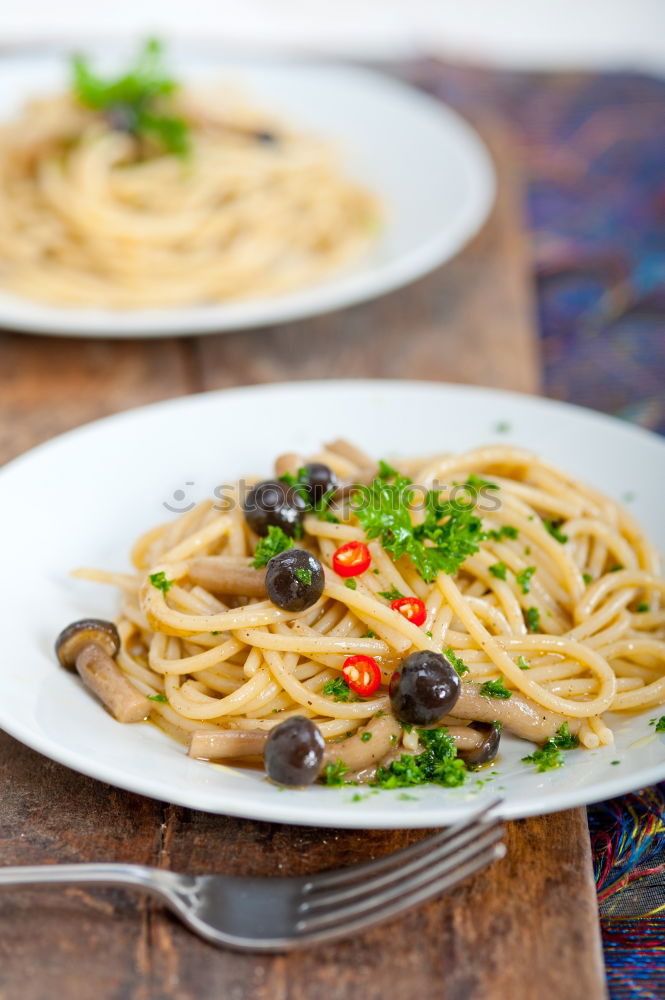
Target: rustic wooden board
column 527, row 928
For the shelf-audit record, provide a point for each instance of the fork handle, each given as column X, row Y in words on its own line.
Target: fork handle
column 152, row 880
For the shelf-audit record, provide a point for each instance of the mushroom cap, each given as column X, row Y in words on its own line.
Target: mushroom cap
column 76, row 635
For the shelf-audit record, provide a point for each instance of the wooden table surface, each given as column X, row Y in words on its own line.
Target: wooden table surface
column 525, row 929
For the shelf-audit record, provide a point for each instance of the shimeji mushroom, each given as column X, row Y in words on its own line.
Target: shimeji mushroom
column 89, row 646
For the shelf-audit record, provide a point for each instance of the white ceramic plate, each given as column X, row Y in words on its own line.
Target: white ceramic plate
column 83, row 498
column 429, row 169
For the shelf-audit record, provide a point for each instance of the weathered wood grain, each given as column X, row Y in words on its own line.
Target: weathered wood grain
column 525, row 929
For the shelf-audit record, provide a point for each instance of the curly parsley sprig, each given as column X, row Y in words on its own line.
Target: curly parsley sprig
column 136, row 101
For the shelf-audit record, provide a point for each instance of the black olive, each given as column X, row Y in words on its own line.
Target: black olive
column 294, row 580
column 424, row 689
column 294, row 752
column 265, row 136
column 320, row 480
column 122, row 117
column 274, row 504
column 488, row 749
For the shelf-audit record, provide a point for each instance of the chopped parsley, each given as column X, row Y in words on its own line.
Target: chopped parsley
column 499, row 570
column 548, row 757
column 532, row 616
column 368, row 634
column 641, row 608
column 215, row 633
column 522, row 663
column 475, row 482
column 160, row 582
column 366, row 737
column 615, row 569
column 334, row 774
column 337, row 689
column 275, row 541
column 452, row 528
column 136, row 101
column 495, row 689
column 554, row 528
column 524, row 578
column 505, row 531
column 158, row 697
column 387, row 471
column 351, row 584
column 502, row 427
column 615, row 762
column 658, row 723
column 457, row 662
column 428, row 634
column 437, row 764
column 587, row 578
column 304, row 575
column 391, row 595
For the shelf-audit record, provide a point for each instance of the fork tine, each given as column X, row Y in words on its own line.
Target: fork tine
column 435, row 851
column 352, row 873
column 399, row 888
column 389, row 909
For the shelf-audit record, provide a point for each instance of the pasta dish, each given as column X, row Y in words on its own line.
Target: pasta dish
column 133, row 192
column 348, row 620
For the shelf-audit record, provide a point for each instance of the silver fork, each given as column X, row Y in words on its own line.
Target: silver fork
column 280, row 914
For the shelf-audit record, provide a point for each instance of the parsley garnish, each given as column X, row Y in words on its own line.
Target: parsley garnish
column 522, row 664
column 366, row 737
column 457, row 662
column 659, row 724
column 502, row 427
column 337, row 689
column 136, row 101
column 351, row 584
column 587, row 578
column 505, row 531
column 524, row 578
column 554, row 528
column 532, row 619
column 549, row 756
column 641, row 608
column 160, row 582
column 304, row 575
column 615, row 569
column 368, row 634
column 386, row 471
column 391, row 595
column 452, row 527
column 334, row 773
column 273, row 543
column 437, row 764
column 495, row 689
column 475, row 482
column 158, row 697
column 499, row 570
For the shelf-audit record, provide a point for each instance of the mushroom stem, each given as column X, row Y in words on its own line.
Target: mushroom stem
column 518, row 714
column 103, row 677
column 221, row 575
column 208, row 745
column 288, row 464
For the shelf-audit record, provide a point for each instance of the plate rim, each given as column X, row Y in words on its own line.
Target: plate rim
column 426, row 815
column 341, row 292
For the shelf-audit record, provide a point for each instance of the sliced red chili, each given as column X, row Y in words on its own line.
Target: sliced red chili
column 412, row 608
column 351, row 559
column 362, row 674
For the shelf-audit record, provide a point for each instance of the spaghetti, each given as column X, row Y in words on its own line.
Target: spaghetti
column 554, row 618
column 95, row 214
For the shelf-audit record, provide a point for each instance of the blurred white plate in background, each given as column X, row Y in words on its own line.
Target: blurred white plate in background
column 428, row 168
column 104, row 484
